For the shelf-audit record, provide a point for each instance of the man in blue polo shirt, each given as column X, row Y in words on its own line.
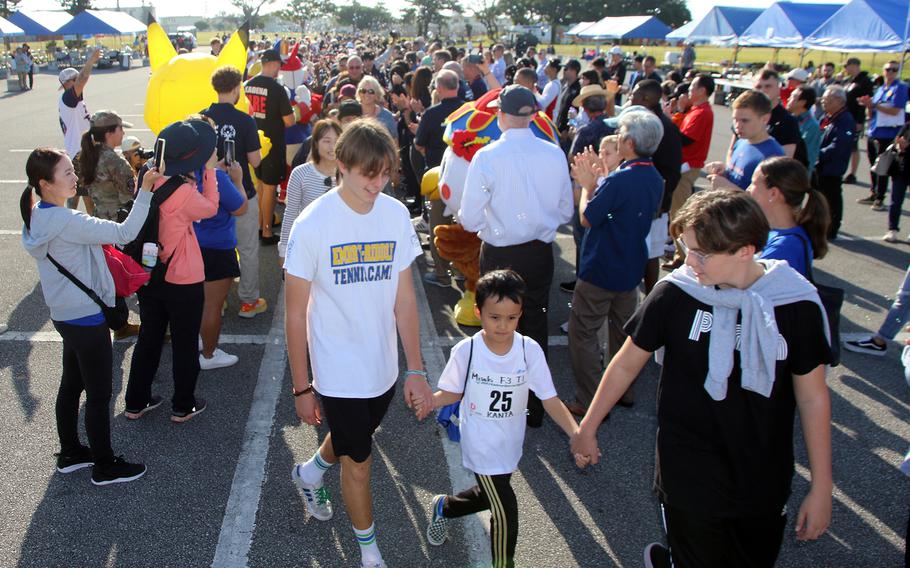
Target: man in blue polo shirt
column 614, row 251
column 887, row 109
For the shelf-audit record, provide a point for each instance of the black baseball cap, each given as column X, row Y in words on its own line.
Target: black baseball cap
column 270, row 55
column 517, row 101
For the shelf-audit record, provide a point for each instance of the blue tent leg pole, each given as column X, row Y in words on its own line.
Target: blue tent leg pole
column 900, row 72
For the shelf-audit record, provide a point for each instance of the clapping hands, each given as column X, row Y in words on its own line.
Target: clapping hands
column 586, row 168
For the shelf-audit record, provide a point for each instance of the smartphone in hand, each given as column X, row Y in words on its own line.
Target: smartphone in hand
column 229, row 153
column 159, row 154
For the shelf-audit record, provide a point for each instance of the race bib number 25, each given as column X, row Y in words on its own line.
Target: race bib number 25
column 494, row 396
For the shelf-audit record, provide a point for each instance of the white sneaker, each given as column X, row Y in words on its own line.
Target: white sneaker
column 373, row 564
column 219, row 359
column 891, row 237
column 316, row 497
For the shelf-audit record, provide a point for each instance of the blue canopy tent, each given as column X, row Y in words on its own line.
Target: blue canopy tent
column 864, row 25
column 721, row 26
column 626, row 27
column 40, row 23
column 786, row 24
column 7, row 28
column 102, row 22
column 682, row 32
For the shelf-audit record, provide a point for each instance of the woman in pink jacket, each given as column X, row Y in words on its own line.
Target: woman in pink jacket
column 178, row 300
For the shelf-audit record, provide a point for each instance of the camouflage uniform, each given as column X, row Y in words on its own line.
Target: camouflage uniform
column 113, row 186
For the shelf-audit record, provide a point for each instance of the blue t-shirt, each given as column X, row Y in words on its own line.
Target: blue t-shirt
column 746, row 157
column 895, row 95
column 614, row 250
column 218, row 232
column 84, row 321
column 789, row 245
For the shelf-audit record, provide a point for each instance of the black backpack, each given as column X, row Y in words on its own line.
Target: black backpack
column 149, row 231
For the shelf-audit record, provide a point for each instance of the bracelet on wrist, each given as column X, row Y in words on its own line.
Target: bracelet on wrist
column 417, row 373
column 296, row 393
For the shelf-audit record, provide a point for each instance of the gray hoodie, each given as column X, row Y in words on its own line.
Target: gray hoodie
column 74, row 240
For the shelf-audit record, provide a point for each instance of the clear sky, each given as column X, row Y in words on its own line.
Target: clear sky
column 167, row 8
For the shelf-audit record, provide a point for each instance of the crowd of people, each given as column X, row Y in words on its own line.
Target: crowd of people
column 353, row 125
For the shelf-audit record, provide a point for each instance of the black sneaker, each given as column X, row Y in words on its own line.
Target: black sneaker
column 867, row 346
column 118, row 471
column 657, row 556
column 850, row 179
column 181, row 417
column 75, row 460
column 868, row 200
column 568, row 287
column 136, row 414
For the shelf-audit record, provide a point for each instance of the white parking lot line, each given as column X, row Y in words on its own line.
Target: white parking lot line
column 246, row 490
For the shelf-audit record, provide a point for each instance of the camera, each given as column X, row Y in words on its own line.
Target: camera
column 145, row 154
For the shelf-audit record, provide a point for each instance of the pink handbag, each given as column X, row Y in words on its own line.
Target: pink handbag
column 128, row 274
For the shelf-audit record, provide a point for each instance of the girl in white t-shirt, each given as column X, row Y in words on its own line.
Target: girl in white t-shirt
column 491, row 374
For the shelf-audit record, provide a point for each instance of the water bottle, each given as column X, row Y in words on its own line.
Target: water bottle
column 149, row 255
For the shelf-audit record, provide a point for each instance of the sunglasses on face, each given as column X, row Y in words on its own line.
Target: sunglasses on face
column 890, row 69
column 367, row 92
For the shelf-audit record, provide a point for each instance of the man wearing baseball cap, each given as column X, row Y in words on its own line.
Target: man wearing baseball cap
column 271, row 107
column 74, row 116
column 517, row 194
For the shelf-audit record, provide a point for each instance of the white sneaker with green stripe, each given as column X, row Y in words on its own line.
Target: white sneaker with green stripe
column 316, row 497
column 437, row 530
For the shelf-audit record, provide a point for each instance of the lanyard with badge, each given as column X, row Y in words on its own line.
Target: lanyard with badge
column 495, row 396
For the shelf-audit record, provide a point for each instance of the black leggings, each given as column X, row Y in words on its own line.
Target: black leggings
column 180, row 307
column 87, row 364
column 493, row 493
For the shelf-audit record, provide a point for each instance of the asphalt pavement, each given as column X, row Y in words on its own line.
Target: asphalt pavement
column 218, row 490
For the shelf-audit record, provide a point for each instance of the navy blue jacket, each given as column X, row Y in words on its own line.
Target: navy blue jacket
column 837, row 145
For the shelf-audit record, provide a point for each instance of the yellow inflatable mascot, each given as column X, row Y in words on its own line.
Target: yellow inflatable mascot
column 181, row 85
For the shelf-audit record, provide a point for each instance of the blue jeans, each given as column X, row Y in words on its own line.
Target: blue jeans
column 900, row 309
column 898, row 191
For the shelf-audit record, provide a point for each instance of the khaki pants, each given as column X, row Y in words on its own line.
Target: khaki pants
column 680, row 195
column 591, row 305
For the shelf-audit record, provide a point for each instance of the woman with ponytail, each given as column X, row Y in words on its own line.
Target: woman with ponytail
column 74, row 240
column 798, row 214
column 106, row 175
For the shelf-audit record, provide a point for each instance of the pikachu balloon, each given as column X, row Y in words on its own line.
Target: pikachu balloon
column 181, row 84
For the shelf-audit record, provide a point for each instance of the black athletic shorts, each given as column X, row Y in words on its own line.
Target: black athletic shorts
column 220, row 264
column 352, row 422
column 273, row 168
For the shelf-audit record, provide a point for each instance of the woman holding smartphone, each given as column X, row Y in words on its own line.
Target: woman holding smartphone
column 74, row 240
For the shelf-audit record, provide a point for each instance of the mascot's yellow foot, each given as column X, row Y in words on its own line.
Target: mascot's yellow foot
column 464, row 311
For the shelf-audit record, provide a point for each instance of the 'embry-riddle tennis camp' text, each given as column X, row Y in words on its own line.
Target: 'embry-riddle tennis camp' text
column 362, row 262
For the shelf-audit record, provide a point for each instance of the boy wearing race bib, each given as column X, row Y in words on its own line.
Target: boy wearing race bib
column 491, row 374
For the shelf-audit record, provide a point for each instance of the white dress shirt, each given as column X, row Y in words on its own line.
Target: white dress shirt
column 517, row 190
